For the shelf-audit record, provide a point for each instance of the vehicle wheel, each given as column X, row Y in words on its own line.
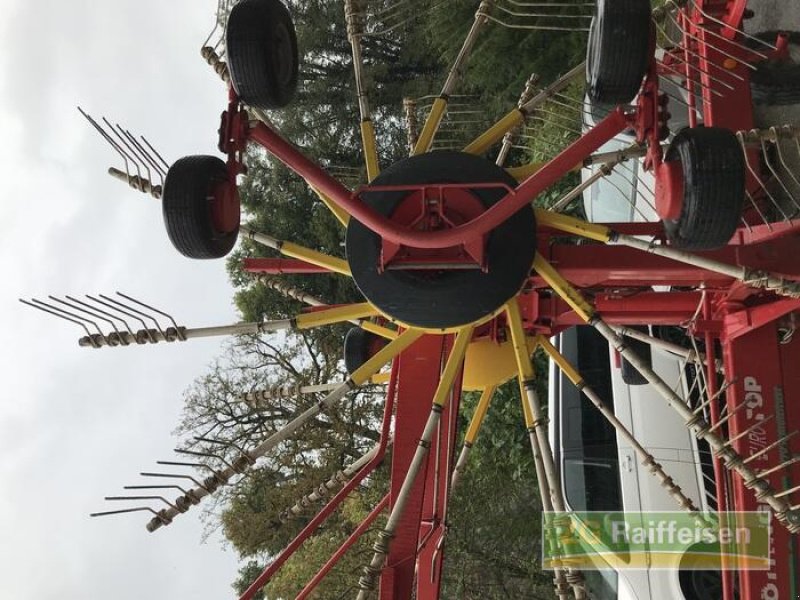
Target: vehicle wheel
column 701, row 585
column 618, row 52
column 262, row 53
column 445, row 298
column 776, row 83
column 630, row 374
column 712, row 165
column 359, row 346
column 187, row 204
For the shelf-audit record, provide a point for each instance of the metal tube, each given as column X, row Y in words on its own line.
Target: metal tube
column 502, row 210
column 340, row 552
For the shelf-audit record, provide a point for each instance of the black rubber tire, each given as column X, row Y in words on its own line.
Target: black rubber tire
column 359, row 346
column 262, row 53
column 186, row 206
column 775, row 83
column 630, row 375
column 444, row 299
column 618, row 52
column 713, row 168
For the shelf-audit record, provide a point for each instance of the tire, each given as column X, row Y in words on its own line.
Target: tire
column 262, row 53
column 359, row 346
column 713, row 169
column 449, row 298
column 630, row 375
column 186, row 205
column 618, row 52
column 776, row 83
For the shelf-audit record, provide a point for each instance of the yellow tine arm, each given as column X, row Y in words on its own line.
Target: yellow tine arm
column 338, row 314
column 559, row 222
column 495, row 133
column 563, row 288
column 363, row 373
column 480, row 414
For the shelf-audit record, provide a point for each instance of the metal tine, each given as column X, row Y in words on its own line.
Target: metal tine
column 132, row 159
column 535, row 15
column 699, row 83
column 156, row 153
column 128, row 498
column 749, row 430
column 55, row 308
column 177, row 476
column 788, row 492
column 699, row 9
column 107, row 305
column 146, row 328
column 110, row 140
column 774, row 131
column 204, row 454
column 721, row 51
column 173, row 463
column 155, row 310
column 775, row 173
column 758, row 210
column 722, row 420
column 146, row 154
column 227, row 444
column 100, row 314
column 783, row 465
column 694, row 54
column 755, row 175
column 717, row 35
column 120, row 133
column 53, row 312
column 158, row 515
column 774, row 444
column 718, row 393
column 156, row 487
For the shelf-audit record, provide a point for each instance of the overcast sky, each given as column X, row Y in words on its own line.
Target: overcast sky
column 78, row 424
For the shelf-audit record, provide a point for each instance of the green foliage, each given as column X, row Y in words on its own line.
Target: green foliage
column 492, row 543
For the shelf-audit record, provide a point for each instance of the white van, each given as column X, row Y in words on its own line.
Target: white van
column 600, row 472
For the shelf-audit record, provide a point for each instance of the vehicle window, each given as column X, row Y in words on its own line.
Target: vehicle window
column 602, row 584
column 590, row 461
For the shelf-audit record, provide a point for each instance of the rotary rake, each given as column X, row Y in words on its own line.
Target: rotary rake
column 463, row 279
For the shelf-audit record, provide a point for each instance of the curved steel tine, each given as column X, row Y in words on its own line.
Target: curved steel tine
column 130, row 510
column 55, row 308
column 204, row 454
column 128, row 498
column 178, row 476
column 775, row 173
column 781, row 158
column 107, row 305
column 143, row 153
column 243, row 453
column 699, row 9
column 132, row 159
column 101, row 314
column 120, row 133
column 156, row 487
column 173, row 463
column 147, row 306
column 108, row 139
column 54, row 313
column 146, row 328
column 157, row 154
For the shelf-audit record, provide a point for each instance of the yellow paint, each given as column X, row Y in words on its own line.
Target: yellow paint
column 338, row 314
column 380, row 378
column 337, row 265
column 519, row 341
column 560, row 222
column 495, row 133
column 453, row 366
column 480, row 413
column 363, row 373
column 563, row 288
column 379, row 330
column 341, row 214
column 566, row 367
column 489, row 364
column 432, row 123
column 370, row 149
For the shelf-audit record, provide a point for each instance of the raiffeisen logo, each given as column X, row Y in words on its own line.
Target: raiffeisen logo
column 599, row 540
